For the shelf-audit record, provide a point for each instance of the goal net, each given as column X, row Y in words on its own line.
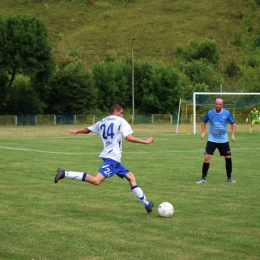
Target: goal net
column 191, row 112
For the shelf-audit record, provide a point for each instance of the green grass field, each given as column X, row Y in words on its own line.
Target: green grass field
column 75, row 220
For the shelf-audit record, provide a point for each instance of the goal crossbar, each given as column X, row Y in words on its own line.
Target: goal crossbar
column 214, row 93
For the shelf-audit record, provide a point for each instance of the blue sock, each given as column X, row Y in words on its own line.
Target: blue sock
column 84, row 176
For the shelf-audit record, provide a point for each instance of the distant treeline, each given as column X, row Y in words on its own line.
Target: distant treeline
column 32, row 81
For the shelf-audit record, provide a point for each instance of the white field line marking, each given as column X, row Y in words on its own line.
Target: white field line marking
column 141, row 152
column 92, row 135
column 40, row 151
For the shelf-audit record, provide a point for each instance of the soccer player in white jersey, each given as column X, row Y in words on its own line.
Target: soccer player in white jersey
column 217, row 138
column 111, row 129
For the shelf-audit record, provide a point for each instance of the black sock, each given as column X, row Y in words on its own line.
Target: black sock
column 205, row 169
column 229, row 167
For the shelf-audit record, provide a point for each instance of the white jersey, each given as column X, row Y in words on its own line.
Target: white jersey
column 111, row 129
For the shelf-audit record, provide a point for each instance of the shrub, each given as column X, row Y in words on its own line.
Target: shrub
column 232, row 69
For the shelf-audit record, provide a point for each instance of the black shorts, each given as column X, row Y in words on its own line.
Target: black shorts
column 223, row 148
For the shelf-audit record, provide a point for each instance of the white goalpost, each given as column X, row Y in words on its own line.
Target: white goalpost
column 220, row 94
column 178, row 119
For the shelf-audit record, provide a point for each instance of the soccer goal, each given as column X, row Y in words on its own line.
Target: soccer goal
column 191, row 112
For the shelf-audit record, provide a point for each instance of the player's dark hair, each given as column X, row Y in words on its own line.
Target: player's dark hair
column 115, row 106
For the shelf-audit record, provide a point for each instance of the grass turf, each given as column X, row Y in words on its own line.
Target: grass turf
column 75, row 220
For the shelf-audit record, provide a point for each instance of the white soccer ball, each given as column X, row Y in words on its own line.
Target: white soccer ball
column 165, row 210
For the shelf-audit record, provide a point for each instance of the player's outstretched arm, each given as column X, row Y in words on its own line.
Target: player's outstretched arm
column 79, row 131
column 134, row 139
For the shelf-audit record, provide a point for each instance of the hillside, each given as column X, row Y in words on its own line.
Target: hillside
column 160, row 26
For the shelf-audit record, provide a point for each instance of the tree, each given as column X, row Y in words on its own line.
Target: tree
column 163, row 91
column 201, row 73
column 205, row 51
column 25, row 49
column 72, row 91
column 112, row 81
column 23, row 99
column 143, row 74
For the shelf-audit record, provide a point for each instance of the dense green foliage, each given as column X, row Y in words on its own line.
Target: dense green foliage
column 112, row 79
column 25, row 50
column 162, row 91
column 72, row 91
column 169, row 72
column 23, row 99
column 206, row 51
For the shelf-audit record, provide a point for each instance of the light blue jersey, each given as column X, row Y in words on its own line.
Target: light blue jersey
column 218, row 125
column 111, row 129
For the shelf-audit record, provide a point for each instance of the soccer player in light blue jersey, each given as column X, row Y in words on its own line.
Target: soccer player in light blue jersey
column 217, row 138
column 111, row 129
